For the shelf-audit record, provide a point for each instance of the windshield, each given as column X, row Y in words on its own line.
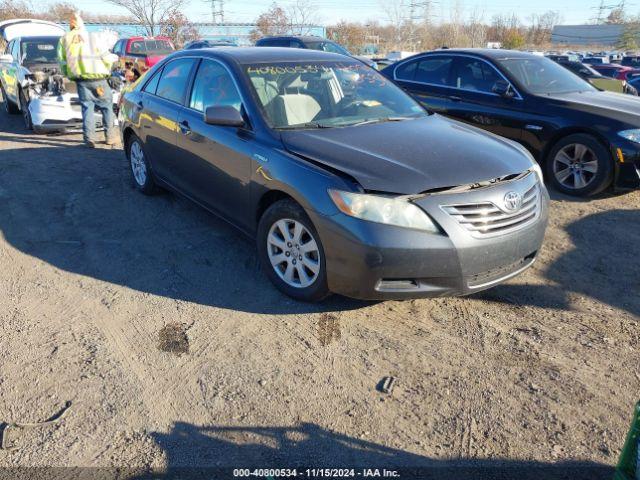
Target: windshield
column 542, row 76
column 328, row 94
column 41, row 50
column 327, row 47
column 157, row 47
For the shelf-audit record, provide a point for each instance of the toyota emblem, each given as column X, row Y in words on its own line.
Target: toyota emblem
column 512, row 201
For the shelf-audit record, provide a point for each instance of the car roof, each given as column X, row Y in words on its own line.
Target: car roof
column 304, row 38
column 490, row 53
column 248, row 55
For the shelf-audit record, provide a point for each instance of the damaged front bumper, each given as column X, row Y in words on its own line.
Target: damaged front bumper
column 61, row 113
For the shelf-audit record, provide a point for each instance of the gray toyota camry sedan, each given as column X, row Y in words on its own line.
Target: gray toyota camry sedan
column 347, row 184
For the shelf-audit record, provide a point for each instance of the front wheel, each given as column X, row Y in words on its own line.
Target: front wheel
column 24, row 108
column 579, row 165
column 139, row 164
column 9, row 106
column 291, row 253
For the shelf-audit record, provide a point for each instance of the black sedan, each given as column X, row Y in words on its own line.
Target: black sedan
column 586, row 140
column 323, row 161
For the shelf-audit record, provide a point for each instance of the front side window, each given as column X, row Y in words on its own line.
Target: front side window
column 174, row 79
column 214, row 87
column 539, row 75
column 7, row 50
column 328, row 94
column 434, row 71
column 475, row 75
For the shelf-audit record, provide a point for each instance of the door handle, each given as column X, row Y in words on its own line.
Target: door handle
column 184, row 127
column 455, row 98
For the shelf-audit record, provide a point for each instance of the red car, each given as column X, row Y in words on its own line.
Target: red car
column 139, row 54
column 613, row 70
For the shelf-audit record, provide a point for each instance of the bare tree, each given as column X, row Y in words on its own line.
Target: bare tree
column 15, row 9
column 179, row 29
column 151, row 14
column 274, row 21
column 302, row 15
column 476, row 29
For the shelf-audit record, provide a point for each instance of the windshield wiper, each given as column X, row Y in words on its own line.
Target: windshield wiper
column 379, row 120
column 304, row 125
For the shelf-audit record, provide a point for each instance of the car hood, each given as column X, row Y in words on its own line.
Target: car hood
column 617, row 106
column 10, row 29
column 411, row 156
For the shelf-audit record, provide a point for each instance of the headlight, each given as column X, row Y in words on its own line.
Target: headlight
column 538, row 170
column 387, row 210
column 631, row 135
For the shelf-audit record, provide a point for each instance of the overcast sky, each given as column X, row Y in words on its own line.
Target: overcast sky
column 331, row 11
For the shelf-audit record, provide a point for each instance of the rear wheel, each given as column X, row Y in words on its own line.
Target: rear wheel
column 24, row 108
column 139, row 165
column 291, row 253
column 579, row 165
column 9, row 107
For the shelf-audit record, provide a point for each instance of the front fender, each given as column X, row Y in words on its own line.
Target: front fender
column 304, row 181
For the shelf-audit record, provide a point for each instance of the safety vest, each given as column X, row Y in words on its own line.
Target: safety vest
column 82, row 56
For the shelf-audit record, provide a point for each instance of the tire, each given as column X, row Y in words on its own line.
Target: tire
column 9, row 107
column 305, row 284
column 579, row 165
column 24, row 108
column 139, row 166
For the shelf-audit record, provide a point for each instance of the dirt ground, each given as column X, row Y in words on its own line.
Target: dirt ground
column 152, row 317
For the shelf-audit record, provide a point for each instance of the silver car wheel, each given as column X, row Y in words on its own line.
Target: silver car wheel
column 138, row 166
column 293, row 253
column 575, row 166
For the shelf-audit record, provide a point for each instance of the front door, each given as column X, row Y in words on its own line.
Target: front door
column 215, row 161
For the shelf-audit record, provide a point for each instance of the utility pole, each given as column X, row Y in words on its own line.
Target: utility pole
column 217, row 10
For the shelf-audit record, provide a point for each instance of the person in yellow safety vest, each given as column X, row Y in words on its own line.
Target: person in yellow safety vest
column 85, row 59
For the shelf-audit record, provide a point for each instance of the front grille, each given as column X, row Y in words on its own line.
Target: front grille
column 486, row 219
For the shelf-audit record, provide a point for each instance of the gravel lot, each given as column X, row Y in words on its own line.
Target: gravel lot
column 152, row 317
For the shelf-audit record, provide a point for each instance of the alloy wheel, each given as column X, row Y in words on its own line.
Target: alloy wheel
column 138, row 165
column 293, row 253
column 575, row 166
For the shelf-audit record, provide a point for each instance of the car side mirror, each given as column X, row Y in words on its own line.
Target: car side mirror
column 6, row 58
column 503, row 88
column 225, row 116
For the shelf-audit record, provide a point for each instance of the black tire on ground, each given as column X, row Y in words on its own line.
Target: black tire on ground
column 148, row 186
column 289, row 209
column 24, row 108
column 9, row 107
column 598, row 182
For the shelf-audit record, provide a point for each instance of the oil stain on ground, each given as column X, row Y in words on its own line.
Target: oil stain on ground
column 328, row 329
column 173, row 339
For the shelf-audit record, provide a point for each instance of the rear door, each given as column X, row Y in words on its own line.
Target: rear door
column 215, row 161
column 474, row 102
column 427, row 79
column 162, row 99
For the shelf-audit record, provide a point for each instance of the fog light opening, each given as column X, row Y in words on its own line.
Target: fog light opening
column 397, row 284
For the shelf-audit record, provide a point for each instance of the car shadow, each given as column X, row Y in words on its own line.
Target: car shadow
column 214, row 451
column 602, row 264
column 77, row 210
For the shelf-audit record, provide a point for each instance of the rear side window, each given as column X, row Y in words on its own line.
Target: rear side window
column 475, row 75
column 152, row 86
column 406, row 71
column 174, row 79
column 213, row 86
column 434, row 71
